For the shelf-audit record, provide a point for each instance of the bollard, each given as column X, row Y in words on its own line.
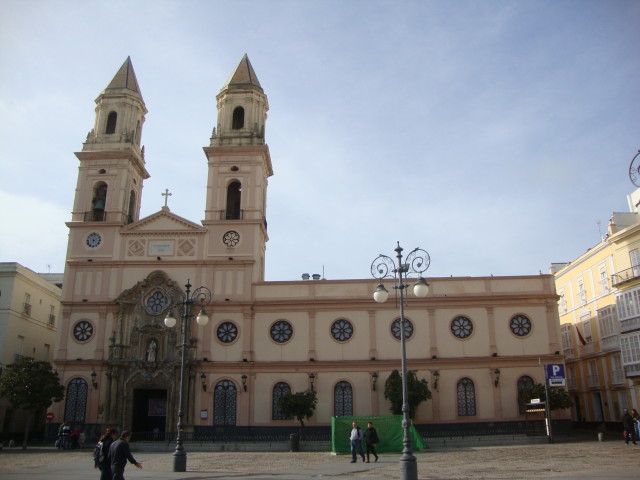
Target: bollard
column 294, row 442
column 600, row 436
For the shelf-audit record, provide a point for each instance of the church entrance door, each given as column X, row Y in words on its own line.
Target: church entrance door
column 149, row 411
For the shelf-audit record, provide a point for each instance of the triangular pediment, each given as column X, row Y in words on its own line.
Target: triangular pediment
column 163, row 222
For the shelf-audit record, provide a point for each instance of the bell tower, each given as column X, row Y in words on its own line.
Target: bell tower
column 239, row 167
column 111, row 171
column 112, row 161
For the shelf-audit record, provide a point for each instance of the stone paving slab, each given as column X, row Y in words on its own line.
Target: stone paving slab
column 572, row 460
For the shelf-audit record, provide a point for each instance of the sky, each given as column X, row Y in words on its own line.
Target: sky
column 496, row 135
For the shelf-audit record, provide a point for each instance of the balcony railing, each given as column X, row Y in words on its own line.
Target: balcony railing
column 632, row 370
column 625, row 275
column 569, row 353
column 593, row 381
column 617, row 377
column 52, row 319
column 588, row 349
column 26, row 308
column 629, row 324
column 95, row 216
column 611, row 343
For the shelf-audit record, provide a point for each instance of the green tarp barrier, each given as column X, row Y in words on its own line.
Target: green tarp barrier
column 389, row 428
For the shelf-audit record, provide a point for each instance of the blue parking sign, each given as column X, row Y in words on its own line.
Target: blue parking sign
column 555, row 375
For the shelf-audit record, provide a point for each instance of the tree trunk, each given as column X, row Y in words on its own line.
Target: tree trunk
column 26, row 430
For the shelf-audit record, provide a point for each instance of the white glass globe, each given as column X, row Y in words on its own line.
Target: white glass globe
column 381, row 294
column 421, row 288
column 170, row 320
column 202, row 318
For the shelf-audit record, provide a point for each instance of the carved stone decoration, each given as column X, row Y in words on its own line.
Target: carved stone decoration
column 145, row 354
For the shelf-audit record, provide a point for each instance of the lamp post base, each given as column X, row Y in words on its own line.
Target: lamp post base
column 408, row 467
column 179, row 461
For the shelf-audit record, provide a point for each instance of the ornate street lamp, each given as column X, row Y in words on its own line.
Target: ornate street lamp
column 385, row 267
column 200, row 297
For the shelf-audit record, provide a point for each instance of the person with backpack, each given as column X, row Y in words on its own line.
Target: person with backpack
column 101, row 454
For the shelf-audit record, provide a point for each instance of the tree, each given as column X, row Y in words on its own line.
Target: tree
column 31, row 386
column 298, row 405
column 418, row 391
column 559, row 398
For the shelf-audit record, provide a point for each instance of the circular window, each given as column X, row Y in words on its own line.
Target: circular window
column 227, row 332
column 342, row 330
column 461, row 327
column 82, row 331
column 520, row 325
column 281, row 331
column 156, row 302
column 408, row 329
column 231, row 238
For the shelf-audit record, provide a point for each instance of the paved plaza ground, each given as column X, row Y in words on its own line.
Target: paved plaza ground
column 564, row 460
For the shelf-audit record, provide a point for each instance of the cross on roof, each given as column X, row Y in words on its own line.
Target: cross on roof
column 166, row 196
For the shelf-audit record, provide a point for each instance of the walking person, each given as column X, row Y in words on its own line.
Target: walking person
column 636, row 422
column 355, row 437
column 101, row 454
column 65, row 433
column 119, row 453
column 371, row 440
column 628, row 425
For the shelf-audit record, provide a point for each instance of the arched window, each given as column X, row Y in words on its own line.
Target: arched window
column 342, row 399
column 76, row 400
column 138, row 133
column 466, row 398
column 224, row 403
column 132, row 207
column 111, row 123
column 234, row 194
column 280, row 389
column 99, row 202
column 238, row 118
column 524, row 383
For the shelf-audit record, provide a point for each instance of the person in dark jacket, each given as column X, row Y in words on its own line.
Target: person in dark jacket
column 119, row 453
column 103, row 463
column 371, row 440
column 628, row 427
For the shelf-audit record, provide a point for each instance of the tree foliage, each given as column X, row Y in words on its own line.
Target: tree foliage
column 559, row 398
column 299, row 405
column 30, row 385
column 418, row 391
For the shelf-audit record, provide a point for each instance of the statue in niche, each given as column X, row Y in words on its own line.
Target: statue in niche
column 151, row 351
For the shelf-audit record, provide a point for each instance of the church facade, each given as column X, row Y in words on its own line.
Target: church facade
column 477, row 341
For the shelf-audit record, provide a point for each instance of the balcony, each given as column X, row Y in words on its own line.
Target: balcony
column 593, row 381
column 629, row 324
column 26, row 308
column 610, row 344
column 588, row 349
column 625, row 275
column 569, row 353
column 617, row 377
column 632, row 370
column 52, row 319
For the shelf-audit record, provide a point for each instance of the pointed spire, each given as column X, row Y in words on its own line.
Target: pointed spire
column 244, row 76
column 125, row 78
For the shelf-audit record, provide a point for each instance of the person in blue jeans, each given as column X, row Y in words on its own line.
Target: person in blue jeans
column 356, row 442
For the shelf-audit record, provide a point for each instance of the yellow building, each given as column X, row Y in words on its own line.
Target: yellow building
column 599, row 321
column 29, row 309
column 477, row 341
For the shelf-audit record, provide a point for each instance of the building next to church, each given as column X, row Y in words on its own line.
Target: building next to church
column 600, row 320
column 29, row 309
column 477, row 341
